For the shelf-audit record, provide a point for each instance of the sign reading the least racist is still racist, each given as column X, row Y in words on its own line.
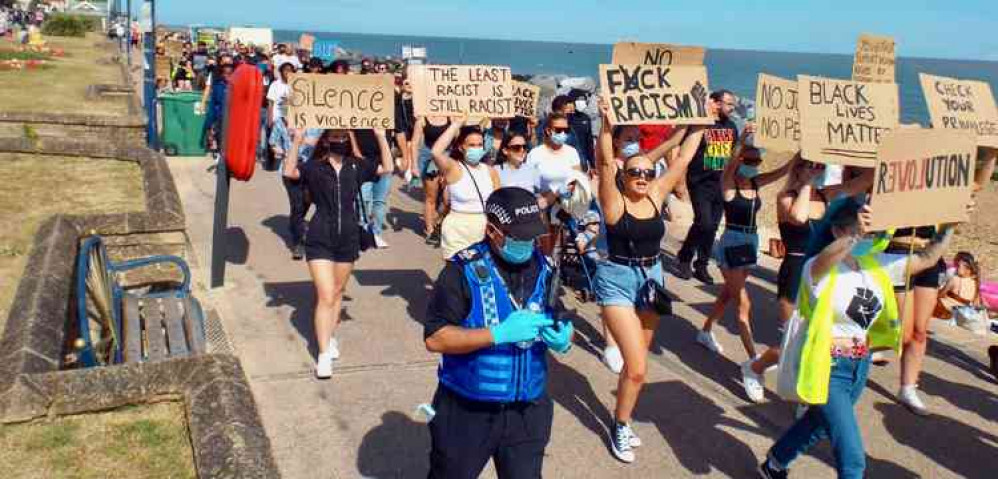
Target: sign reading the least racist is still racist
column 525, row 99
column 922, row 177
column 962, row 105
column 874, row 60
column 341, row 101
column 629, row 53
column 843, row 121
column 776, row 117
column 655, row 94
column 478, row 91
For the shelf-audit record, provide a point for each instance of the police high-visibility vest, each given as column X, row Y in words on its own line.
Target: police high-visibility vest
column 816, row 359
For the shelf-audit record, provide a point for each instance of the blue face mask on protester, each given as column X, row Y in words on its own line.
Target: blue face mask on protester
column 517, row 251
column 862, row 248
column 474, row 155
column 748, row 171
column 631, row 149
column 559, row 138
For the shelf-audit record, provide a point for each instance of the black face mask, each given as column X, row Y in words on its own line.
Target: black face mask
column 341, row 148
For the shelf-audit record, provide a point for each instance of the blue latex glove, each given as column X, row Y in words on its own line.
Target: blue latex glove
column 522, row 325
column 559, row 336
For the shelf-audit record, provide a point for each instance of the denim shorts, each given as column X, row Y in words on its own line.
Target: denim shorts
column 427, row 168
column 618, row 285
column 732, row 238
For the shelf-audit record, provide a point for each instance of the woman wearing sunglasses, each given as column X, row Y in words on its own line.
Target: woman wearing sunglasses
column 799, row 206
column 510, row 163
column 634, row 229
column 738, row 247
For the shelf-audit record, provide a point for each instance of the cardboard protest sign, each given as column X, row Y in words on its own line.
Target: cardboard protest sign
column 479, row 91
column 776, row 117
column 633, row 53
column 922, row 177
column 655, row 94
column 525, row 99
column 341, row 101
column 174, row 48
column 962, row 105
column 874, row 59
column 843, row 121
column 164, row 67
column 306, row 41
column 324, row 49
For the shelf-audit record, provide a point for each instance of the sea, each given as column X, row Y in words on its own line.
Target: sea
column 735, row 70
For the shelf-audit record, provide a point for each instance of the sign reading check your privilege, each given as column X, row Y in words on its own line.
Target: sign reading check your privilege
column 776, row 117
column 843, row 121
column 962, row 105
column 478, row 91
column 630, row 53
column 874, row 60
column 341, row 101
column 923, row 177
column 655, row 94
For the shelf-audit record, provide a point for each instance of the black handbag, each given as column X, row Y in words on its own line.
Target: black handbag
column 365, row 229
column 651, row 294
column 743, row 255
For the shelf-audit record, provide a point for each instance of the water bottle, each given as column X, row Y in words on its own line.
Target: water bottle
column 535, row 308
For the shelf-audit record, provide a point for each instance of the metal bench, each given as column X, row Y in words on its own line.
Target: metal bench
column 122, row 326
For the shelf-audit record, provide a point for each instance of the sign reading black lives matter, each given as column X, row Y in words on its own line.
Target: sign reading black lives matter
column 922, row 177
column 478, row 91
column 341, row 101
column 776, row 117
column 655, row 94
column 843, row 121
column 962, row 105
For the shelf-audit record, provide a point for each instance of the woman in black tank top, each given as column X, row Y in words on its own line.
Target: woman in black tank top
column 425, row 134
column 738, row 246
column 634, row 229
column 803, row 200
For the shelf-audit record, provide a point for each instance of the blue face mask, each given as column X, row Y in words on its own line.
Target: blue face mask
column 474, row 155
column 631, row 149
column 559, row 138
column 517, row 251
column 748, row 171
column 862, row 248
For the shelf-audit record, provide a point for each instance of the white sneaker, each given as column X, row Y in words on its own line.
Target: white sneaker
column 706, row 339
column 752, row 382
column 380, row 242
column 908, row 396
column 613, row 359
column 635, row 440
column 333, row 349
column 324, row 366
column 620, row 442
column 407, row 176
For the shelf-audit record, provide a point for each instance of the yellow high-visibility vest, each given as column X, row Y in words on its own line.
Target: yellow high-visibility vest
column 816, row 360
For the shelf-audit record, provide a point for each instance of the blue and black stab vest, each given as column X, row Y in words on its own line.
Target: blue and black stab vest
column 503, row 373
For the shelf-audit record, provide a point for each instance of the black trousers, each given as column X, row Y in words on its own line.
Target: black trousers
column 465, row 434
column 299, row 201
column 708, row 208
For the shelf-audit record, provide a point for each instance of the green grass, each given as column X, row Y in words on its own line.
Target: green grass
column 24, row 56
column 146, row 441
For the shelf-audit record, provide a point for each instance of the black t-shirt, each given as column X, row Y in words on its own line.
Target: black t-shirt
column 335, row 194
column 714, row 152
column 451, row 299
column 367, row 141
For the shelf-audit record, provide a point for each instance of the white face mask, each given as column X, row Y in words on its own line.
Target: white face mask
column 580, row 106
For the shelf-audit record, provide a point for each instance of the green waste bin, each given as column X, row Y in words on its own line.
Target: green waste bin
column 182, row 124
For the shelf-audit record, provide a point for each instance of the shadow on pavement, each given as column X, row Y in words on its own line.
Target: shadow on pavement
column 300, row 296
column 279, row 225
column 236, row 245
column 963, row 449
column 763, row 316
column 398, row 447
column 572, row 391
column 412, row 285
column 957, row 357
column 969, row 398
column 406, row 220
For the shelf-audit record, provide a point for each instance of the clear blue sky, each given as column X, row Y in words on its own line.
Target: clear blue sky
column 965, row 29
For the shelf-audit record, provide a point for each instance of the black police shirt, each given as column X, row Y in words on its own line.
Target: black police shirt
column 450, row 303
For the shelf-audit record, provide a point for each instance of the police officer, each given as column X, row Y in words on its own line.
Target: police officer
column 490, row 318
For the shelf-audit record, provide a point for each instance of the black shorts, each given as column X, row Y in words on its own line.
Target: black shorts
column 930, row 278
column 788, row 278
column 346, row 250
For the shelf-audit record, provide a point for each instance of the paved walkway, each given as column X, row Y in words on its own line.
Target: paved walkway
column 692, row 415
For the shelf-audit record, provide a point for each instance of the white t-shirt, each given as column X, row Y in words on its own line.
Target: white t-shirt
column 523, row 177
column 279, row 60
column 857, row 300
column 278, row 93
column 553, row 166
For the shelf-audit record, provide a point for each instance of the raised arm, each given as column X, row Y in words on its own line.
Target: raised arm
column 291, row 157
column 417, row 139
column 661, row 150
column 983, row 175
column 771, row 176
column 930, row 255
column 440, row 157
column 354, row 145
column 860, row 184
column 609, row 194
column 664, row 184
column 386, row 167
column 800, row 209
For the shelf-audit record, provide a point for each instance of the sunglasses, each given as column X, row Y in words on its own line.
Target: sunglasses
column 640, row 173
column 814, row 166
column 560, row 130
column 516, row 147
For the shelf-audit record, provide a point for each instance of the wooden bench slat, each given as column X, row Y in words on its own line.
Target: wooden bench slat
column 194, row 326
column 153, row 316
column 176, row 340
column 131, row 329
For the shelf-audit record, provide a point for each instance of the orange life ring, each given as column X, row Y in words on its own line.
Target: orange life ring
column 242, row 121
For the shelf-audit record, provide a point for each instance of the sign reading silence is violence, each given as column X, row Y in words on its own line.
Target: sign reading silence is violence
column 655, row 94
column 962, row 105
column 922, row 177
column 843, row 121
column 341, row 101
column 478, row 91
